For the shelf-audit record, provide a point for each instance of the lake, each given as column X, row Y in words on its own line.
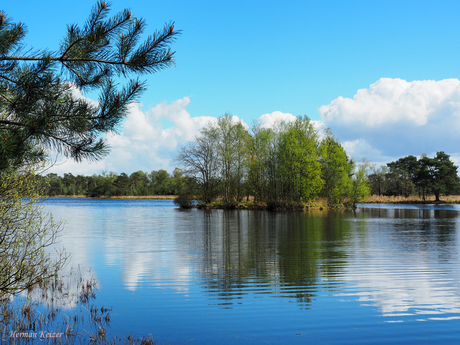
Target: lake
column 378, row 275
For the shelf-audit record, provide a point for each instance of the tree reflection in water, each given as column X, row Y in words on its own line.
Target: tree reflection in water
column 279, row 254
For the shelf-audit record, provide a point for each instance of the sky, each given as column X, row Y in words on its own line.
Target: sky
column 382, row 75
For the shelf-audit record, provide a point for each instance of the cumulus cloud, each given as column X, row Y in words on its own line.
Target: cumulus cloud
column 270, row 120
column 394, row 118
column 390, row 119
column 143, row 143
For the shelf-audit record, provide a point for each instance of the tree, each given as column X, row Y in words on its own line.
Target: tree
column 226, row 154
column 177, row 181
column 377, row 180
column 402, row 176
column 258, row 162
column 436, row 175
column 160, row 182
column 399, row 182
column 121, row 184
column 41, row 102
column 360, row 184
column 138, row 182
column 299, row 166
column 445, row 176
column 199, row 160
column 280, row 167
column 42, row 107
column 56, row 186
column 25, row 233
column 231, row 143
column 69, row 184
column 336, row 170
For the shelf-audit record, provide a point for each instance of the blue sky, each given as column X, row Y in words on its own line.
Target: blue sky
column 285, row 58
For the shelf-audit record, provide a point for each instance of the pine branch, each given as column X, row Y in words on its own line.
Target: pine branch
column 40, row 109
column 61, row 59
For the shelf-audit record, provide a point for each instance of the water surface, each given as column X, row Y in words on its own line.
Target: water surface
column 380, row 274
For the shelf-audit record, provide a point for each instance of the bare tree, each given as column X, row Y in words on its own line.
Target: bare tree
column 199, row 160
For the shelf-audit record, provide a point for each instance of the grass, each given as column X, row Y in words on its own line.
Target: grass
column 413, row 199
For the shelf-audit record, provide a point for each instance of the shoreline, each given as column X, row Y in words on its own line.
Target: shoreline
column 156, row 197
column 411, row 200
column 315, row 205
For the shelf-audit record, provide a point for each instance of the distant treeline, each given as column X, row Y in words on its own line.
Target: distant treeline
column 409, row 175
column 110, row 184
column 286, row 165
column 290, row 163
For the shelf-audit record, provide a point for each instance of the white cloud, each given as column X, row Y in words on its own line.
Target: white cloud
column 143, row 143
column 270, row 120
column 360, row 148
column 421, row 285
column 394, row 118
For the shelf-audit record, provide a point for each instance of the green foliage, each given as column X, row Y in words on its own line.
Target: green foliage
column 377, row 180
column 426, row 175
column 282, row 167
column 232, row 151
column 188, row 191
column 25, row 233
column 299, row 166
column 259, row 153
column 110, row 184
column 360, row 186
column 41, row 103
column 444, row 175
column 42, row 108
column 336, row 170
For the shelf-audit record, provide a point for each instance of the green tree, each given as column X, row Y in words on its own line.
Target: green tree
column 258, row 162
column 121, row 184
column 160, row 182
column 41, row 106
column 226, row 155
column 81, row 185
column 336, row 170
column 100, row 185
column 138, row 183
column 280, row 166
column 177, row 181
column 360, row 186
column 436, row 175
column 399, row 182
column 377, row 180
column 69, row 182
column 42, row 109
column 56, row 186
column 425, row 175
column 402, row 176
column 445, row 178
column 299, row 166
column 232, row 152
column 25, row 233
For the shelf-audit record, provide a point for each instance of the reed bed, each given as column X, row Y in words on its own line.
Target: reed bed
column 413, row 199
column 60, row 311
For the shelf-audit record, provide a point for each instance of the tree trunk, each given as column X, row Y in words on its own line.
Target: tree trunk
column 437, row 196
